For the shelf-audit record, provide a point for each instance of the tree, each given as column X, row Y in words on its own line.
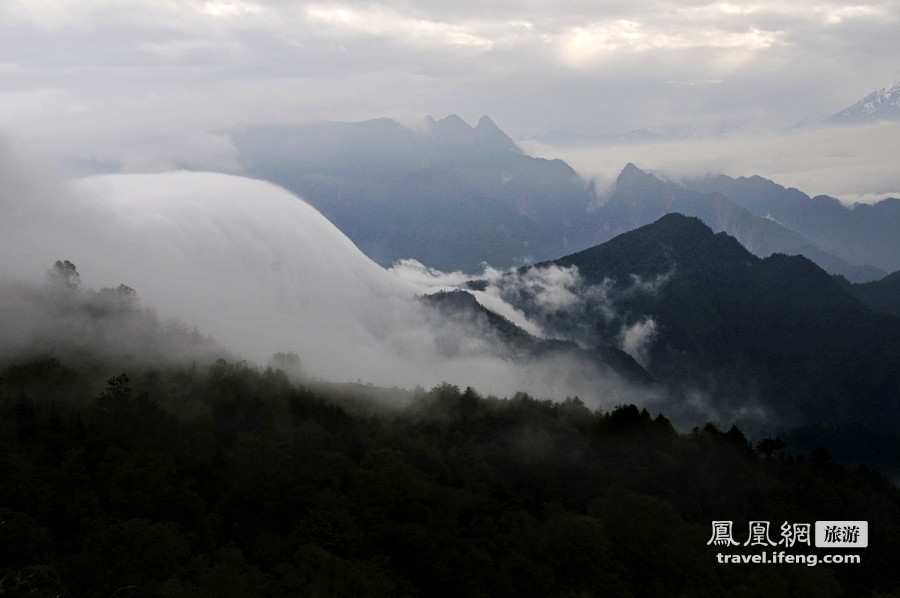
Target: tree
column 289, row 362
column 768, row 446
column 64, row 274
column 122, row 293
column 117, row 387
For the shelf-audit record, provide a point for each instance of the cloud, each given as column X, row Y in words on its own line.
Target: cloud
column 552, row 288
column 389, row 23
column 429, row 281
column 260, row 271
column 637, row 337
column 601, row 41
column 150, row 83
column 85, row 328
column 426, row 277
column 557, row 302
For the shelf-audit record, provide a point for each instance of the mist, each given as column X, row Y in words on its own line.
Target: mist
column 94, row 329
column 260, row 271
column 560, row 303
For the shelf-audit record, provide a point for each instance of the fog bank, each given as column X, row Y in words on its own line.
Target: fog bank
column 261, row 271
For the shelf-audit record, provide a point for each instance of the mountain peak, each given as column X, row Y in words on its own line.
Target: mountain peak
column 690, row 228
column 486, row 124
column 632, row 177
column 655, row 248
column 450, row 123
column 489, row 130
column 486, row 133
column 883, row 104
column 631, row 170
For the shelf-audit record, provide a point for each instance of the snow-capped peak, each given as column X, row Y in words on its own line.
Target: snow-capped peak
column 883, row 104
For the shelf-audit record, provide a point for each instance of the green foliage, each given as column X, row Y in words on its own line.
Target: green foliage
column 228, row 480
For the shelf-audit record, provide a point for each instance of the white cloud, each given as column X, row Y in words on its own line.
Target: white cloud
column 425, row 277
column 636, row 339
column 836, row 14
column 553, row 288
column 262, row 272
column 389, row 23
column 557, row 302
column 603, row 40
column 429, row 281
column 229, row 8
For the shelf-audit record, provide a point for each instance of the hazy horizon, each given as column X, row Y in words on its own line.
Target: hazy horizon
column 855, row 164
column 148, row 86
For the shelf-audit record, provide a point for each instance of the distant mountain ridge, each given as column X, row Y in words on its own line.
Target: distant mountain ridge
column 453, row 196
column 865, row 234
column 640, row 198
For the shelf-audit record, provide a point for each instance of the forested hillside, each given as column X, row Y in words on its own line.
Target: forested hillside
column 228, row 480
column 778, row 330
column 136, row 461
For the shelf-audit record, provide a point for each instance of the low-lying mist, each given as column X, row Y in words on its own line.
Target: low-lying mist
column 552, row 301
column 258, row 270
column 106, row 328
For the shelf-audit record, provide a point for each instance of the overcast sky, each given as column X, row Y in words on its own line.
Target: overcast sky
column 147, row 84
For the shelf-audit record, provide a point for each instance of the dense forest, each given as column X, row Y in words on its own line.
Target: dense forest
column 231, row 480
column 135, row 462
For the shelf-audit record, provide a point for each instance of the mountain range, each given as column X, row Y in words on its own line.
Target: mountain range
column 776, row 343
column 453, row 196
column 777, row 332
column 671, row 315
column 735, row 207
column 865, row 234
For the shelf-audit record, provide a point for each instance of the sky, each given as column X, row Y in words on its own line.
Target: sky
column 149, row 85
